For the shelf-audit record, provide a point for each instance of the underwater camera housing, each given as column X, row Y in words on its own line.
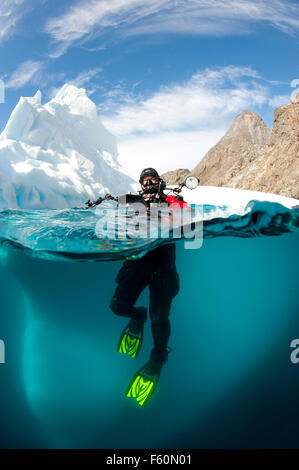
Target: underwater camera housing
column 128, row 199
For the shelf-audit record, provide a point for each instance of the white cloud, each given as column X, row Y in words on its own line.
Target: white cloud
column 85, row 77
column 166, row 151
column 10, row 13
column 24, row 73
column 82, row 17
column 279, row 100
column 136, row 17
column 33, row 71
column 179, row 123
column 217, row 17
column 209, row 96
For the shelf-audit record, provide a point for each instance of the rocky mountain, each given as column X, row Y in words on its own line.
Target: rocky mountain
column 251, row 156
column 176, row 176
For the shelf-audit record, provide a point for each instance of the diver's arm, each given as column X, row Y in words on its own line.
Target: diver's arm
column 177, row 202
column 99, row 200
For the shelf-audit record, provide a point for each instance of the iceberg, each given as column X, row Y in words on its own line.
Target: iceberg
column 58, row 155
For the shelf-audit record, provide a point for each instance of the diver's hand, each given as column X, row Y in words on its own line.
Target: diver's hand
column 99, row 200
column 92, row 204
column 89, row 203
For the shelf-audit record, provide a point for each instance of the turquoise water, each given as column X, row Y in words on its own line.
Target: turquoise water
column 229, row 381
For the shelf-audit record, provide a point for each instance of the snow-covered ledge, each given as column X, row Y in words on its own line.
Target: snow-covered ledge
column 234, row 198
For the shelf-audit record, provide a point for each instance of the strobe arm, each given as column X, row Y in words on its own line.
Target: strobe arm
column 191, row 182
column 107, row 197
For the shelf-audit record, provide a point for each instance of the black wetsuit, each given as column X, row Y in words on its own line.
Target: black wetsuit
column 157, row 270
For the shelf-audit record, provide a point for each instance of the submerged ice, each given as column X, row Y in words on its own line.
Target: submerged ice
column 228, row 380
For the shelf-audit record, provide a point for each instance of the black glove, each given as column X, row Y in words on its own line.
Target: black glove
column 96, row 203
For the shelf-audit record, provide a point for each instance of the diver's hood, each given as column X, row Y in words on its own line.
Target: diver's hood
column 149, row 172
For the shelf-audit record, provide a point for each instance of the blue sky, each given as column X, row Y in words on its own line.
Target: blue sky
column 167, row 76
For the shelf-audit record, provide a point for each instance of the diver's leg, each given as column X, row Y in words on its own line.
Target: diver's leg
column 164, row 286
column 131, row 281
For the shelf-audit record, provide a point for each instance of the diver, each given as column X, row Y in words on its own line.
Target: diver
column 156, row 269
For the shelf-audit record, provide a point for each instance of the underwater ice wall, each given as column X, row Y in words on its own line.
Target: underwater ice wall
column 229, row 381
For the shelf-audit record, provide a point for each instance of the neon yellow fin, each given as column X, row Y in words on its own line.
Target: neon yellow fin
column 131, row 338
column 141, row 388
column 144, row 382
column 129, row 345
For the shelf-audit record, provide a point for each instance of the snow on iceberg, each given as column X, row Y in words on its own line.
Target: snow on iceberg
column 58, row 155
column 236, row 200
